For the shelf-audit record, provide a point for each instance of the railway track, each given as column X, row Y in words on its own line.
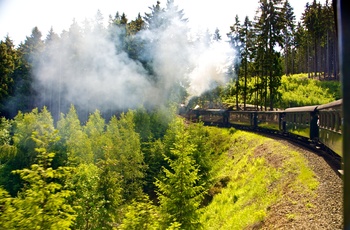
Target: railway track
column 332, row 159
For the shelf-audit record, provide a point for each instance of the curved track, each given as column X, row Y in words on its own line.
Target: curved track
column 331, row 158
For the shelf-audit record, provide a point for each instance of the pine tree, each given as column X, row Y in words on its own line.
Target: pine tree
column 301, row 49
column 178, row 191
column 269, row 28
column 74, row 140
column 110, row 191
column 312, row 19
column 134, row 43
column 247, row 38
column 125, row 148
column 30, row 51
column 8, row 65
column 236, row 43
column 154, row 20
column 95, row 129
column 288, row 33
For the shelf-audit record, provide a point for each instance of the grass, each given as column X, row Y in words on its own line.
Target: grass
column 258, row 171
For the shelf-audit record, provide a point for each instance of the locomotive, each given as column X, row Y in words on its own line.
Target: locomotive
column 317, row 124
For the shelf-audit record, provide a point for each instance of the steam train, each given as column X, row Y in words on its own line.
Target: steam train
column 319, row 124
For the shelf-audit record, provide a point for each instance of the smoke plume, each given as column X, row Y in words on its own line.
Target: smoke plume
column 88, row 68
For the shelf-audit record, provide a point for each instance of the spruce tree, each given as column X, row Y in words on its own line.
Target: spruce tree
column 125, row 148
column 269, row 28
column 8, row 65
column 178, row 191
column 74, row 140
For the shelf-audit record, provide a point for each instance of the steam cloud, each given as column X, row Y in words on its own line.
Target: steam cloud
column 90, row 71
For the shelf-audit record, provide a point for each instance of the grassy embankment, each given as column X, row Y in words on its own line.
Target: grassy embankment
column 255, row 174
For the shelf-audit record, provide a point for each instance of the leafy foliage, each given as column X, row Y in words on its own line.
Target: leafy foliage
column 43, row 202
column 141, row 214
column 87, row 202
column 298, row 90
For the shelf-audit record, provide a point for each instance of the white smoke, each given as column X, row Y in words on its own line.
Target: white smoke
column 88, row 70
column 212, row 62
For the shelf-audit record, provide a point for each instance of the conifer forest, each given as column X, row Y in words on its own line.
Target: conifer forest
column 89, row 132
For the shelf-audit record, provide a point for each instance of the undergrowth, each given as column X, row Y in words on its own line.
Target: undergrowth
column 254, row 174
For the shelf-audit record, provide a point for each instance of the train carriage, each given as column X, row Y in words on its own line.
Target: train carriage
column 270, row 120
column 211, row 116
column 317, row 123
column 330, row 125
column 302, row 121
column 242, row 118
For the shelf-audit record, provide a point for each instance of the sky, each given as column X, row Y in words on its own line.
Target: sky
column 19, row 17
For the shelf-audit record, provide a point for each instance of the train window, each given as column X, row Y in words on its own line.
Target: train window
column 338, row 121
column 301, row 118
column 324, row 120
column 341, row 123
column 297, row 118
column 291, row 118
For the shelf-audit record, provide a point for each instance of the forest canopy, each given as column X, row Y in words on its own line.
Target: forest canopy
column 151, row 60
